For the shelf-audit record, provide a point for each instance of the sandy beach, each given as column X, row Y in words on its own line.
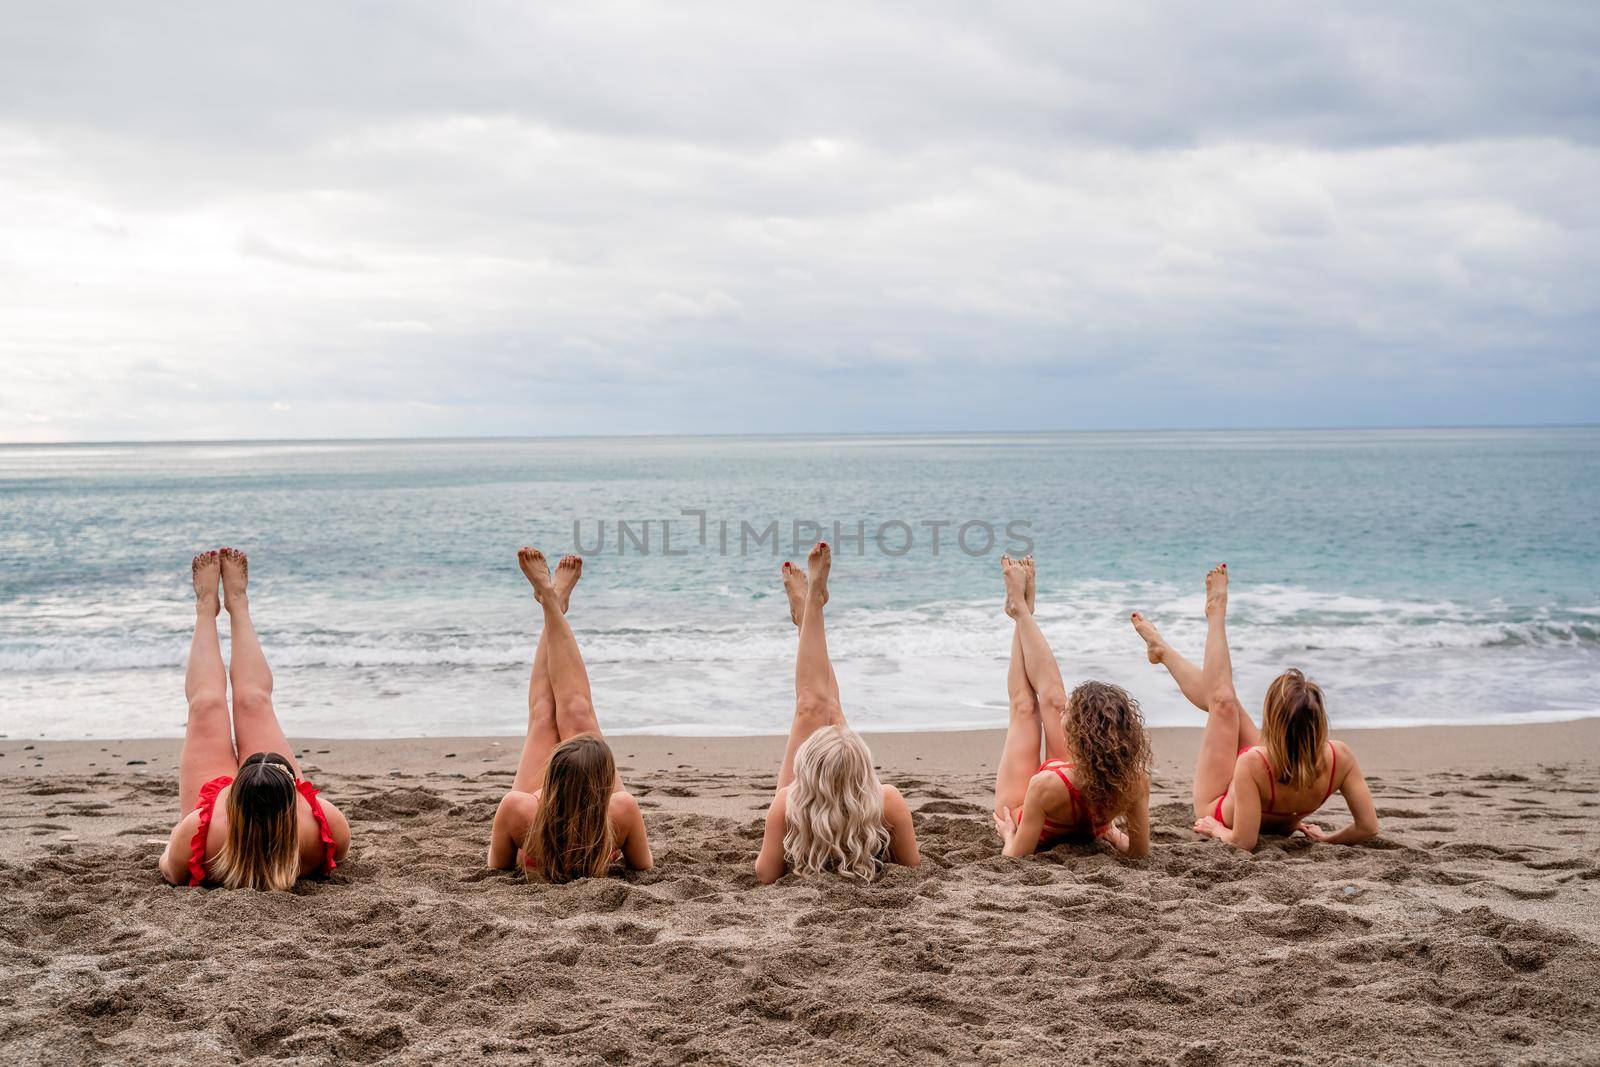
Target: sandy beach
column 1468, row 932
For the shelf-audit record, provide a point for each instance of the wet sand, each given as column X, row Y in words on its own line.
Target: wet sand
column 1468, row 932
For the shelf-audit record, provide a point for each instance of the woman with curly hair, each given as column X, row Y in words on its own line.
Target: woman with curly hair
column 830, row 813
column 1246, row 780
column 1096, row 770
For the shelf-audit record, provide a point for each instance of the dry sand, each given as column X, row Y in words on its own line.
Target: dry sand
column 1469, row 932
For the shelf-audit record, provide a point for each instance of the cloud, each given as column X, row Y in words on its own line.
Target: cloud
column 265, row 248
column 915, row 216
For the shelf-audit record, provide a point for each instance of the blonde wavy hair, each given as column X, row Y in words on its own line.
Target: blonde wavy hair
column 1106, row 735
column 262, row 850
column 834, row 814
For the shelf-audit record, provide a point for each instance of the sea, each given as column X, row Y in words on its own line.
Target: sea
column 1420, row 576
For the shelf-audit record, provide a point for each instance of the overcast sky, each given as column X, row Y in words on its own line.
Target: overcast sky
column 365, row 219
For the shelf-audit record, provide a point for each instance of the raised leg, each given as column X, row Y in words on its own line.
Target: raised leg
column 816, row 691
column 1055, row 734
column 796, row 586
column 1019, row 759
column 255, row 722
column 1228, row 727
column 1186, row 674
column 569, row 678
column 207, row 739
column 543, row 734
column 1039, row 662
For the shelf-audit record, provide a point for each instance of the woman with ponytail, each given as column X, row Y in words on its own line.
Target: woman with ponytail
column 1094, row 782
column 830, row 814
column 567, row 815
column 250, row 823
column 1249, row 781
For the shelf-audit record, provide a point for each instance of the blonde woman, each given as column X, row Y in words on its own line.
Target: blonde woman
column 250, row 823
column 830, row 814
column 1096, row 769
column 1249, row 781
column 567, row 815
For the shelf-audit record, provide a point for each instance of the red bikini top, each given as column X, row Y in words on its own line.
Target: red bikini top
column 207, row 804
column 1053, row 828
column 1272, row 784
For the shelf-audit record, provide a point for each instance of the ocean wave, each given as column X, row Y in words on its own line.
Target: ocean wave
column 1086, row 621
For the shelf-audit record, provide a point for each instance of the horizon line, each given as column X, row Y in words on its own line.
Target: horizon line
column 455, row 438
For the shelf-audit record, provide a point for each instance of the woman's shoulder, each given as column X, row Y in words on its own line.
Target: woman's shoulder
column 1344, row 756
column 623, row 803
column 518, row 808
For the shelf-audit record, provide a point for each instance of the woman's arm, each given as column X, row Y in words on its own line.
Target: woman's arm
column 1133, row 840
column 635, row 845
column 339, row 827
column 1359, row 797
column 772, row 863
column 902, row 834
column 1021, row 836
column 174, row 862
column 510, row 824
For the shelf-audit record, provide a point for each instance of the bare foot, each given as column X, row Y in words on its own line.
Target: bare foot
column 206, row 570
column 235, row 577
column 1028, row 593
column 796, row 585
column 1016, row 579
column 1217, row 590
column 537, row 570
column 568, row 571
column 818, row 561
column 1155, row 646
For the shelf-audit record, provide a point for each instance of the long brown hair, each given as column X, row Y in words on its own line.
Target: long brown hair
column 1294, row 727
column 1105, row 731
column 570, row 836
column 262, row 850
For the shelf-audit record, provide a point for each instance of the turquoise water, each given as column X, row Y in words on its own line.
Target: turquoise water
column 1421, row 576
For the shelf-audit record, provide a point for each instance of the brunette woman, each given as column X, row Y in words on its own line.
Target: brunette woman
column 249, row 821
column 567, row 815
column 1094, row 781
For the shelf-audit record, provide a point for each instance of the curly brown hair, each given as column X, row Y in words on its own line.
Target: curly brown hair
column 1105, row 731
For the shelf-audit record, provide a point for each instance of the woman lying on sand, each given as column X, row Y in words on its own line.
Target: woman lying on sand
column 252, row 823
column 1249, row 780
column 567, row 815
column 830, row 813
column 1097, row 755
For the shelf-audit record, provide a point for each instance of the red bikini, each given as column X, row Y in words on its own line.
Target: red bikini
column 207, row 804
column 1272, row 784
column 1085, row 820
